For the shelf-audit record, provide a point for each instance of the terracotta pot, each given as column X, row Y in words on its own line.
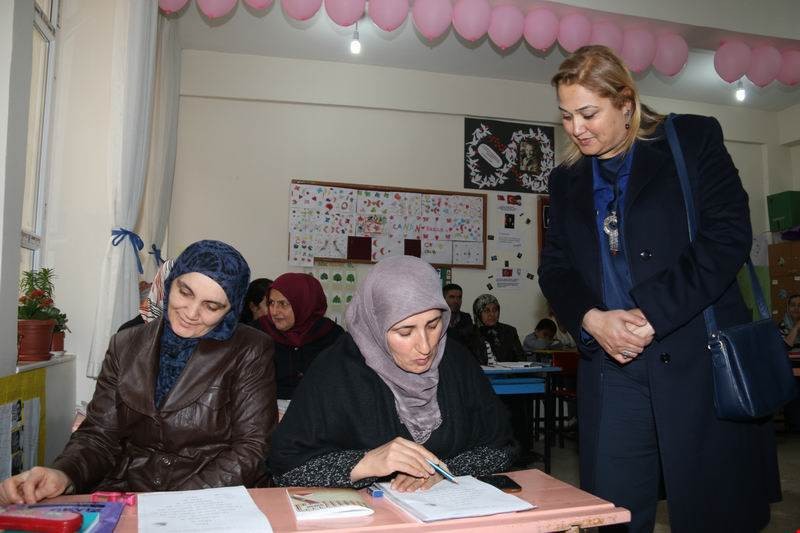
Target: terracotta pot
column 33, row 339
column 57, row 344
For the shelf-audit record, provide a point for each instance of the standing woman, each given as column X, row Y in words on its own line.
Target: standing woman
column 623, row 277
column 299, row 327
column 184, row 402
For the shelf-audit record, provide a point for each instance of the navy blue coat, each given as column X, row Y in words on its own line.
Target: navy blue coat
column 718, row 475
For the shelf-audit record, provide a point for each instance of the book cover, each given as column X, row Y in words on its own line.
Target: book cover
column 309, row 504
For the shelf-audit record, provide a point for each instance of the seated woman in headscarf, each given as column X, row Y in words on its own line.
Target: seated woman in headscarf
column 184, row 402
column 296, row 322
column 391, row 394
column 255, row 301
column 494, row 341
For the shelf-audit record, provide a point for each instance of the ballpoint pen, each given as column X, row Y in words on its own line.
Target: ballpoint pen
column 444, row 473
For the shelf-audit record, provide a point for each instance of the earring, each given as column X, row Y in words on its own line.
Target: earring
column 627, row 125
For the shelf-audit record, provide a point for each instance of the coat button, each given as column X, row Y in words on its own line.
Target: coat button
column 166, row 460
column 645, row 255
column 665, row 358
column 157, row 481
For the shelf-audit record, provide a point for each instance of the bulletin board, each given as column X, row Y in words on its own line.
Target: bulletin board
column 344, row 222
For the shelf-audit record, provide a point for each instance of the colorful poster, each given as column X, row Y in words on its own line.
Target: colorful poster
column 330, row 246
column 387, row 246
column 466, row 229
column 307, row 196
column 340, row 200
column 370, row 225
column 301, row 249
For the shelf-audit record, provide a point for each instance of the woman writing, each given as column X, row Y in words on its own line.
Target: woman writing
column 297, row 323
column 392, row 394
column 186, row 401
column 625, row 280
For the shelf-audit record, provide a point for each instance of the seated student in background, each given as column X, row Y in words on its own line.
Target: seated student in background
column 296, row 322
column 255, row 301
column 790, row 329
column 184, row 402
column 391, row 394
column 542, row 338
column 151, row 307
column 492, row 340
column 460, row 326
column 562, row 335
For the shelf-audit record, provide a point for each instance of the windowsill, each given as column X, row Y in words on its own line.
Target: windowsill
column 55, row 360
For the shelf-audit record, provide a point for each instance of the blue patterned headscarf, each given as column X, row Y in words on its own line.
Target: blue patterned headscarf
column 226, row 266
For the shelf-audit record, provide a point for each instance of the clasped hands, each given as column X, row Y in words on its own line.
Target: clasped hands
column 404, row 457
column 622, row 334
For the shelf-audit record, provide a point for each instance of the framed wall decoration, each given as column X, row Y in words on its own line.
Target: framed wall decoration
column 362, row 224
column 507, row 156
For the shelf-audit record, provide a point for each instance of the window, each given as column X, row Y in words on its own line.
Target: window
column 45, row 21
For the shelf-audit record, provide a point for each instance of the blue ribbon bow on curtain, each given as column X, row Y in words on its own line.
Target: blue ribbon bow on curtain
column 120, row 234
column 156, row 252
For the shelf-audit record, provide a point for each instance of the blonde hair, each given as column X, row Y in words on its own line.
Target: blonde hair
column 599, row 70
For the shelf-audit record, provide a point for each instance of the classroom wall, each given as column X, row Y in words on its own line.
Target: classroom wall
column 249, row 124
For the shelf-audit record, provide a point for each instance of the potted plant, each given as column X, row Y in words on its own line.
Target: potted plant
column 36, row 315
column 59, row 331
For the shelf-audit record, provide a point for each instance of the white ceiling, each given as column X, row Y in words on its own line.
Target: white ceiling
column 271, row 33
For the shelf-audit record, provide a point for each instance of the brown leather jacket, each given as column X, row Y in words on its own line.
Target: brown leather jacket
column 212, row 431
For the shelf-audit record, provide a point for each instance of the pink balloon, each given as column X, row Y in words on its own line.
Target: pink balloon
column 301, row 9
column 506, row 26
column 574, row 31
column 638, row 49
column 258, row 4
column 388, row 15
column 765, row 64
column 215, row 8
column 471, row 18
column 731, row 60
column 541, row 28
column 671, row 54
column 345, row 12
column 608, row 34
column 790, row 67
column 171, row 6
column 432, row 17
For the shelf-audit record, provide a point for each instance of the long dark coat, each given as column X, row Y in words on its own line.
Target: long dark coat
column 718, row 475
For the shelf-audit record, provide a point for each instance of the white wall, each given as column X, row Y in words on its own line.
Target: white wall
column 249, row 124
column 16, row 37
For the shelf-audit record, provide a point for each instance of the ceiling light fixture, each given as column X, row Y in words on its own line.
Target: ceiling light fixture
column 740, row 93
column 355, row 44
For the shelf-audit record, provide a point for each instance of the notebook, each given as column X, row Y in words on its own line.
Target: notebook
column 445, row 500
column 312, row 504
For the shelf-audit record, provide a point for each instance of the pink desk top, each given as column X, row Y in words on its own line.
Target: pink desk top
column 560, row 507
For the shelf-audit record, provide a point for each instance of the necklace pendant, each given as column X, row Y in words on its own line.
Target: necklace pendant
column 611, row 228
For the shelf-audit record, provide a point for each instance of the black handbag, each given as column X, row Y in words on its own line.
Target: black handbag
column 751, row 369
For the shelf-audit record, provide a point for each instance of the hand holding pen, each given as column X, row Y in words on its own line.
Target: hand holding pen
column 409, row 460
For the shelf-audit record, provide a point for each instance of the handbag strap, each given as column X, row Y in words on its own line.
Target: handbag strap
column 691, row 219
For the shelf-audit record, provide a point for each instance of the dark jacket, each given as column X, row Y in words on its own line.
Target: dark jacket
column 719, row 475
column 212, row 431
column 462, row 330
column 505, row 344
column 292, row 363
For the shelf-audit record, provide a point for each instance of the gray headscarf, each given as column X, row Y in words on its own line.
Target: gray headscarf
column 395, row 289
column 480, row 304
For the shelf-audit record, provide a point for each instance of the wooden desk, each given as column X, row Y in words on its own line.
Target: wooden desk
column 510, row 381
column 560, row 507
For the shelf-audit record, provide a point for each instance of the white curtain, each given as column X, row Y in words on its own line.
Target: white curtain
column 132, row 74
column 154, row 217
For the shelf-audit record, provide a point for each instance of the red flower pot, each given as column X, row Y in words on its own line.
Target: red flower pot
column 33, row 339
column 57, row 344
